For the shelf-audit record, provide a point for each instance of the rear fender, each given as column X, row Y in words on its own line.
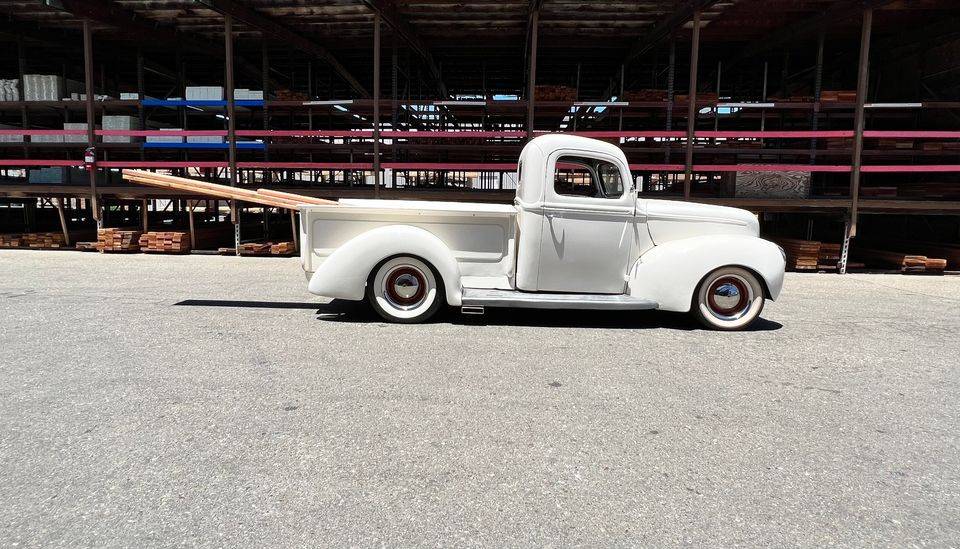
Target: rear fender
column 343, row 274
column 670, row 272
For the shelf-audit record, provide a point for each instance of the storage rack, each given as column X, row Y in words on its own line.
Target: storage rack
column 276, row 142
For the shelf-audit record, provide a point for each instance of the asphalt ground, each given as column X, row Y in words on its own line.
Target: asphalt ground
column 211, row 401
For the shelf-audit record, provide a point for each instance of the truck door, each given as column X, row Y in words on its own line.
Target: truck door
column 588, row 224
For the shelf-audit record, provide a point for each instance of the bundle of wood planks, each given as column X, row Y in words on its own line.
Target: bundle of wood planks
column 283, row 248
column 266, row 197
column 43, row 240
column 906, row 263
column 118, row 240
column 829, row 258
column 165, row 241
column 10, row 240
column 87, row 246
column 949, row 252
column 802, row 255
column 33, row 240
column 262, row 249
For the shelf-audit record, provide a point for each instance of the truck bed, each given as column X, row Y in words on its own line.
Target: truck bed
column 481, row 236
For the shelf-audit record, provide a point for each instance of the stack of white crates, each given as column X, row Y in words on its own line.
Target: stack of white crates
column 118, row 122
column 10, row 138
column 204, row 93
column 42, row 87
column 79, row 138
column 166, row 139
column 9, row 89
column 245, row 94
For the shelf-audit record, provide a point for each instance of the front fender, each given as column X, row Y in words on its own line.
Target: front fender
column 343, row 274
column 670, row 272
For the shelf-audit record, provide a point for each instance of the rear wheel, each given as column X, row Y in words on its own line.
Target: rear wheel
column 405, row 289
column 729, row 298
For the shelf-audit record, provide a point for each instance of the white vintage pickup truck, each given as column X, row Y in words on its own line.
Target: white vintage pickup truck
column 576, row 237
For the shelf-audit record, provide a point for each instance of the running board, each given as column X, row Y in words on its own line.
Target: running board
column 478, row 297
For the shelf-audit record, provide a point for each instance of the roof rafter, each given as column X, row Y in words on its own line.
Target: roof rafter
column 274, row 28
column 127, row 22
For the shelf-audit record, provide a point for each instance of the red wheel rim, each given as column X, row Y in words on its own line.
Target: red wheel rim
column 399, row 281
column 721, row 288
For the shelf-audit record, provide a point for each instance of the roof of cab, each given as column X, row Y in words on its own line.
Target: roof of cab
column 554, row 141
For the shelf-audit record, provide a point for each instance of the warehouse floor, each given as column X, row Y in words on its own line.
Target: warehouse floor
column 189, row 400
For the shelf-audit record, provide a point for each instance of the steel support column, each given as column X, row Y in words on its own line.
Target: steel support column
column 376, row 104
column 863, row 74
column 231, row 124
column 692, row 106
column 532, row 75
column 91, row 119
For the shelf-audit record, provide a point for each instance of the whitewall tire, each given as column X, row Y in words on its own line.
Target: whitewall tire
column 405, row 289
column 729, row 298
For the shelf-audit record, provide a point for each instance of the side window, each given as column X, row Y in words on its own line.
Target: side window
column 589, row 177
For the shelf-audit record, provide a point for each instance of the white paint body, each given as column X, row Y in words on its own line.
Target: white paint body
column 545, row 242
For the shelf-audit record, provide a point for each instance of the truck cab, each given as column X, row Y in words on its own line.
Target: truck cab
column 577, row 236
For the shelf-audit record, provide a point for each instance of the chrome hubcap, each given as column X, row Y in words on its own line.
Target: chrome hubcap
column 726, row 296
column 729, row 297
column 406, row 286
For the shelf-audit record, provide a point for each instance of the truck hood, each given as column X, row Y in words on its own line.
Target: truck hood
column 672, row 220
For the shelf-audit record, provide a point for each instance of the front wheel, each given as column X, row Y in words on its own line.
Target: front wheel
column 729, row 298
column 405, row 289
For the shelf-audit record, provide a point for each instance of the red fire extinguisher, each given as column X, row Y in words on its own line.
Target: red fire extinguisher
column 90, row 158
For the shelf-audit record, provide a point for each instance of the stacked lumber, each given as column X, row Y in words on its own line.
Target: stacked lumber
column 802, row 255
column 118, row 240
column 906, row 263
column 554, row 93
column 262, row 249
column 10, row 240
column 894, row 143
column 829, row 257
column 43, row 240
column 645, row 95
column 165, row 242
column 838, row 96
column 939, row 146
column 265, row 197
column 283, row 248
column 87, row 246
column 949, row 252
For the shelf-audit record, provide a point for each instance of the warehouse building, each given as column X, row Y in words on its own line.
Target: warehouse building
column 836, row 121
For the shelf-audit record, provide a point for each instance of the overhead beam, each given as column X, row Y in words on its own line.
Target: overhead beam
column 389, row 14
column 279, row 31
column 840, row 11
column 138, row 29
column 662, row 29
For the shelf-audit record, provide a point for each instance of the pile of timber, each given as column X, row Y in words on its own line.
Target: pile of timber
column 10, row 240
column 949, row 252
column 262, row 249
column 165, row 242
column 118, row 240
column 544, row 92
column 264, row 197
column 283, row 248
column 33, row 240
column 813, row 255
column 835, row 96
column 906, row 263
column 829, row 258
column 43, row 240
column 802, row 255
column 87, row 246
